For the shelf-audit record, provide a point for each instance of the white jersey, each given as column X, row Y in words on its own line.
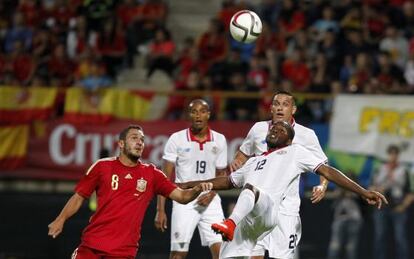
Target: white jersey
column 196, row 160
column 255, row 144
column 274, row 172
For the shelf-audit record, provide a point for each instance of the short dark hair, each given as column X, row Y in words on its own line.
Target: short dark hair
column 124, row 132
column 393, row 149
column 284, row 93
column 288, row 127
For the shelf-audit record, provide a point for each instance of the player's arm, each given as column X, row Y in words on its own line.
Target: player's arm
column 71, row 207
column 318, row 192
column 206, row 198
column 334, row 175
column 160, row 220
column 219, row 183
column 239, row 160
column 187, row 195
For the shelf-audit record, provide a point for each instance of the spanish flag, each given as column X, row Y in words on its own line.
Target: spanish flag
column 20, row 105
column 13, row 147
column 106, row 104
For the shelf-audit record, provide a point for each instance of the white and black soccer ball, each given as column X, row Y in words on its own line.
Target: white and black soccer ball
column 245, row 26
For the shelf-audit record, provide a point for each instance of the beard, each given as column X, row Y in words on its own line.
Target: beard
column 127, row 152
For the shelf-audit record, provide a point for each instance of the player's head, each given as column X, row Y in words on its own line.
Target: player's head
column 131, row 142
column 393, row 152
column 280, row 135
column 199, row 113
column 283, row 106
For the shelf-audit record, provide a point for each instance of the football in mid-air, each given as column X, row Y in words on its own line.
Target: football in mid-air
column 245, row 26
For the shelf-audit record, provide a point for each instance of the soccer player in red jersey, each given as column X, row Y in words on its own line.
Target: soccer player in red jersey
column 124, row 187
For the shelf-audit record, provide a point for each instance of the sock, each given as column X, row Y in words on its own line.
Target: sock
column 244, row 205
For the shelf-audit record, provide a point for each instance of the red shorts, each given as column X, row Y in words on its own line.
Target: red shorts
column 83, row 252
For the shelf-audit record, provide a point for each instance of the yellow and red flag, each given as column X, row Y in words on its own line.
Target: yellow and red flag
column 21, row 105
column 105, row 104
column 13, row 148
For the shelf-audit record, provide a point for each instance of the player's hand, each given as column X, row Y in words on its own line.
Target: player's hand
column 235, row 164
column 206, row 198
column 56, row 227
column 318, row 193
column 375, row 198
column 160, row 221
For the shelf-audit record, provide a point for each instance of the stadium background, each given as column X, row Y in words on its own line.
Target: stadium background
column 74, row 72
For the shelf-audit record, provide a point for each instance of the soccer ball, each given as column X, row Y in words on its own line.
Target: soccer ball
column 245, row 26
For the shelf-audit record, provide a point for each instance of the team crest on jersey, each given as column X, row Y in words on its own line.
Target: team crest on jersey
column 141, row 185
column 214, row 150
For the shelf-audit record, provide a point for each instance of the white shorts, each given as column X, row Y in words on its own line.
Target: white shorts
column 282, row 241
column 255, row 226
column 185, row 218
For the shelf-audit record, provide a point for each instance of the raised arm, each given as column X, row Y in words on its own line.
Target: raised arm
column 334, row 175
column 187, row 195
column 239, row 160
column 161, row 219
column 72, row 206
column 219, row 183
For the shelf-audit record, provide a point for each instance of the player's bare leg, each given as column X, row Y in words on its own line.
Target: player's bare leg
column 215, row 250
column 178, row 255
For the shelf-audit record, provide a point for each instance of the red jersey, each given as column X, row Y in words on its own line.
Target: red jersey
column 123, row 195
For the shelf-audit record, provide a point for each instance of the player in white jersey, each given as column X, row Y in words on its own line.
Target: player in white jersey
column 282, row 242
column 196, row 153
column 264, row 180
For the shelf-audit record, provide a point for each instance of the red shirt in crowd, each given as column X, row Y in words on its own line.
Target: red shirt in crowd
column 298, row 73
column 123, row 195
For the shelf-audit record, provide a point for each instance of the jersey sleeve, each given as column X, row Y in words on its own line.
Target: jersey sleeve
column 237, row 178
column 170, row 150
column 221, row 161
column 247, row 147
column 163, row 186
column 87, row 184
column 314, row 146
column 307, row 160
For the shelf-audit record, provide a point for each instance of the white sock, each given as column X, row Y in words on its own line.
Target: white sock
column 244, row 205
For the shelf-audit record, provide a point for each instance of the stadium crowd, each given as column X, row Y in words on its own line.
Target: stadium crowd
column 341, row 46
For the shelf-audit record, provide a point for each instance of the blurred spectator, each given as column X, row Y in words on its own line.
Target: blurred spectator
column 392, row 180
column 21, row 65
column 395, row 45
column 151, row 15
column 228, row 9
column 236, row 109
column 96, row 12
column 258, row 75
column 111, row 46
column 296, row 70
column 161, row 53
column 213, row 44
column 18, row 32
column 96, row 79
column 61, row 67
column 361, row 74
column 31, row 11
column 346, row 225
column 326, row 23
column 390, row 76
column 291, row 18
column 78, row 38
